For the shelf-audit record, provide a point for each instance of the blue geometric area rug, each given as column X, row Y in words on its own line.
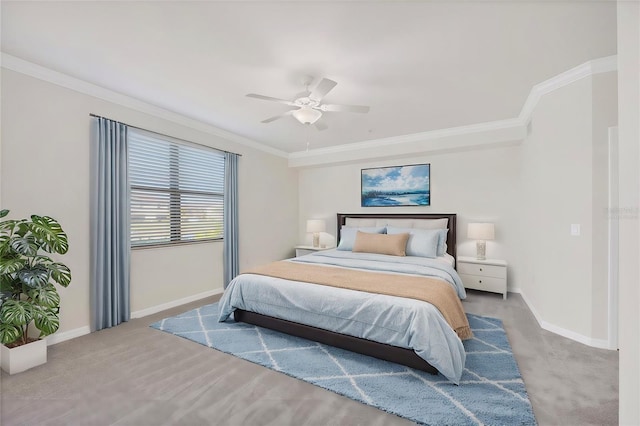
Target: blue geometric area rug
column 491, row 390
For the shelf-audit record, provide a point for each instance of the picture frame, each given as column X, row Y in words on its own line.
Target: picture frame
column 394, row 186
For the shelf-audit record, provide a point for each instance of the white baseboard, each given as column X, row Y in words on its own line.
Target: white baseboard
column 67, row 335
column 155, row 309
column 586, row 340
column 81, row 331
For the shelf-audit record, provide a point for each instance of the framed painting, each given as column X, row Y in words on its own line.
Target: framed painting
column 396, row 186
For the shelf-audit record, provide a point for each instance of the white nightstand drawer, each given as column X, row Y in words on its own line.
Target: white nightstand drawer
column 482, row 270
column 492, row 284
column 487, row 275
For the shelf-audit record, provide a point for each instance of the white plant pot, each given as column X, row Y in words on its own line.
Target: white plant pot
column 21, row 358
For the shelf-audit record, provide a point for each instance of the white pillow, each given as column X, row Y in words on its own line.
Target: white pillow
column 422, row 242
column 399, row 223
column 352, row 222
column 431, row 223
column 348, row 235
column 442, row 241
column 355, row 222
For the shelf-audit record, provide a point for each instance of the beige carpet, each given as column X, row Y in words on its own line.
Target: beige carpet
column 135, row 375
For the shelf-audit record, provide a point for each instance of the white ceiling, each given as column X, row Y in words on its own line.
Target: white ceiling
column 420, row 66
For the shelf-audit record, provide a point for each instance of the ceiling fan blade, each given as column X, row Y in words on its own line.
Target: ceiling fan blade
column 319, row 125
column 344, row 108
column 322, row 89
column 277, row 117
column 269, row 98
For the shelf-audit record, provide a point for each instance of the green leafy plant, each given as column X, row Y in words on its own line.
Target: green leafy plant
column 27, row 277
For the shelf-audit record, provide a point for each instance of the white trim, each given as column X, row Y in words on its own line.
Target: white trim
column 499, row 133
column 491, row 132
column 613, row 240
column 415, row 137
column 67, row 335
column 589, row 341
column 158, row 308
column 16, row 64
column 81, row 331
column 596, row 66
column 602, row 65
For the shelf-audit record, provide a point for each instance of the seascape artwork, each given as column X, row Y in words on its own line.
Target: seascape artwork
column 396, row 186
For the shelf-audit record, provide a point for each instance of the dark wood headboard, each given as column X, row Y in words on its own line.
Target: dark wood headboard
column 451, row 235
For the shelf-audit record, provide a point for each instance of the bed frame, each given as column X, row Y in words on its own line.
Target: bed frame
column 366, row 347
column 451, row 235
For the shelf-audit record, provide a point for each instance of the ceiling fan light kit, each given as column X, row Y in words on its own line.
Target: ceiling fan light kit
column 307, row 115
column 310, row 108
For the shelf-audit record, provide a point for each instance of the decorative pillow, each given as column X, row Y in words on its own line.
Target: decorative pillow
column 348, row 236
column 394, row 245
column 422, row 242
column 442, row 241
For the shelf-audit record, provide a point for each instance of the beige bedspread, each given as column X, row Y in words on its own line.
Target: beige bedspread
column 432, row 290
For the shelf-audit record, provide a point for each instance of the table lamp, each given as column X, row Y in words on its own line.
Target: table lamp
column 316, row 226
column 481, row 232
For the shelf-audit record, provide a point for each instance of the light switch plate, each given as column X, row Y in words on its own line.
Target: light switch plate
column 575, row 229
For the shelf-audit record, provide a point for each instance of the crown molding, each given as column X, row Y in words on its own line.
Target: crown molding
column 469, row 137
column 415, row 137
column 457, row 138
column 463, row 137
column 16, row 64
column 588, row 69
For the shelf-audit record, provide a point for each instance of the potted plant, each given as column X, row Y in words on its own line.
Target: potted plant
column 28, row 295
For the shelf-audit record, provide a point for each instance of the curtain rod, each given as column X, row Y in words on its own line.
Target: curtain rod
column 163, row 134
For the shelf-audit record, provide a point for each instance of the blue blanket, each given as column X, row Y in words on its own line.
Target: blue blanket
column 396, row 321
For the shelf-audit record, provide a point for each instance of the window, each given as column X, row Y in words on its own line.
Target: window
column 176, row 190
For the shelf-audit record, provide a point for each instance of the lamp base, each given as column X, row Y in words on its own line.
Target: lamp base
column 481, row 250
column 316, row 239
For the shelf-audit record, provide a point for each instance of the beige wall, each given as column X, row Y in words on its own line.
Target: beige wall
column 45, row 170
column 565, row 178
column 478, row 185
column 629, row 166
column 557, row 180
column 533, row 191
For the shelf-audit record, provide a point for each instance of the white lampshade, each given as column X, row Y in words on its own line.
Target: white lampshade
column 307, row 115
column 316, row 225
column 481, row 231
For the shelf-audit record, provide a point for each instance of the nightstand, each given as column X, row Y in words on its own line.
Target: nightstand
column 487, row 275
column 302, row 250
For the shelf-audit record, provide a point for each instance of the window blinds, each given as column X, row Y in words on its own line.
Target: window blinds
column 176, row 190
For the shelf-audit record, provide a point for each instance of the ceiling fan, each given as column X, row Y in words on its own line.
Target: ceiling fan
column 308, row 104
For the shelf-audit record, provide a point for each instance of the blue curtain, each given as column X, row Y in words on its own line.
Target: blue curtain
column 231, row 262
column 110, row 243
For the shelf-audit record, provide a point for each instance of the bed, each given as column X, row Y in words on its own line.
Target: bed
column 379, row 324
